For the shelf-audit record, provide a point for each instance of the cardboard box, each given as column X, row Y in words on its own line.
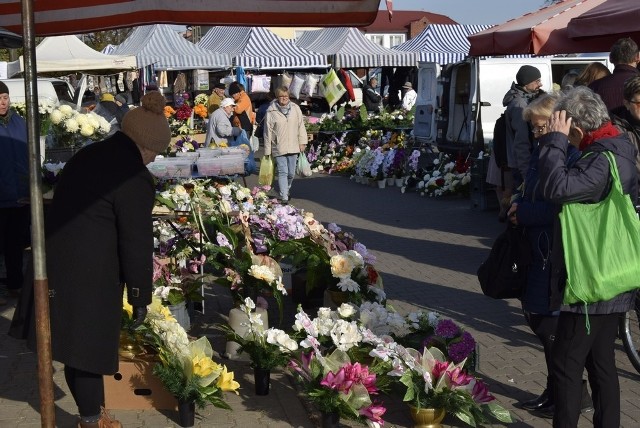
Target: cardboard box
column 134, row 387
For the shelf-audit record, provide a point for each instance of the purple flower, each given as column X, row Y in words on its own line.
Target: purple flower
column 460, row 350
column 447, row 329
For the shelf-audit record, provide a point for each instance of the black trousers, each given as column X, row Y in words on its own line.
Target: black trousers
column 544, row 327
column 574, row 350
column 14, row 235
column 87, row 390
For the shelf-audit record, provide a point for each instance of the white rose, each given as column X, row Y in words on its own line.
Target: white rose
column 346, row 310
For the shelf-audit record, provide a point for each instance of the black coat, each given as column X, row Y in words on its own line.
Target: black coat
column 588, row 180
column 99, row 236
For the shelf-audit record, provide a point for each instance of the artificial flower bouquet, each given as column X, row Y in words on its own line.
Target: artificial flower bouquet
column 73, row 129
column 175, row 285
column 334, row 367
column 184, row 144
column 186, row 368
column 267, row 349
column 50, row 176
column 431, row 381
column 45, row 108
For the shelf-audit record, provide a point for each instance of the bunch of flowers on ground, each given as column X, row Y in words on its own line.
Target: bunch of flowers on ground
column 443, row 176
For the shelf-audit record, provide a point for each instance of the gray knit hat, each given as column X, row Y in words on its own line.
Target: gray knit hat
column 147, row 125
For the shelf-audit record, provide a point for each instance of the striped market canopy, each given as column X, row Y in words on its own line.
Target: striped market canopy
column 442, row 43
column 55, row 17
column 259, row 48
column 167, row 50
column 349, row 48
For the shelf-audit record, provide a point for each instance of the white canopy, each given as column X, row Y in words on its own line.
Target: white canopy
column 69, row 53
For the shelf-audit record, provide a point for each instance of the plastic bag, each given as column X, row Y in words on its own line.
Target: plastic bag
column 303, row 169
column 265, row 177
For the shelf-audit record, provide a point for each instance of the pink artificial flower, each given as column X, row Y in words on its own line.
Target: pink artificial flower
column 336, row 381
column 480, row 393
column 374, row 413
column 439, row 369
column 306, row 359
column 356, row 373
column 458, row 377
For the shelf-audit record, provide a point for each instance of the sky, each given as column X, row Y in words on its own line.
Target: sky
column 471, row 11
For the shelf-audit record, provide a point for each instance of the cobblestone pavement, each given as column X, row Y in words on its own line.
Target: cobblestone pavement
column 428, row 251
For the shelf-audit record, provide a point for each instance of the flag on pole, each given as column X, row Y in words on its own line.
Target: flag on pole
column 390, row 9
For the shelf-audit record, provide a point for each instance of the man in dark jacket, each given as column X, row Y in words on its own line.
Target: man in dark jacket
column 370, row 97
column 624, row 55
column 523, row 91
column 100, row 236
column 581, row 119
column 627, row 118
column 14, row 185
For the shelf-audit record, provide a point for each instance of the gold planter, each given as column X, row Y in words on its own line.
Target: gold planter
column 426, row 418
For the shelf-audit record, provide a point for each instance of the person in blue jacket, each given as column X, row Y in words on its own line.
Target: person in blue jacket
column 532, row 211
column 14, row 186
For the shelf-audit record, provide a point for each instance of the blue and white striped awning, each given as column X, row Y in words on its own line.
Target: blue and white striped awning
column 349, row 48
column 259, row 48
column 163, row 47
column 442, row 43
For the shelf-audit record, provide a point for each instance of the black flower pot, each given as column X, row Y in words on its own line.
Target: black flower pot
column 187, row 413
column 330, row 419
column 262, row 379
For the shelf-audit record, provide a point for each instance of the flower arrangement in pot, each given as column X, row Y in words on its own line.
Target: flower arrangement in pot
column 333, row 366
column 431, row 381
column 267, row 348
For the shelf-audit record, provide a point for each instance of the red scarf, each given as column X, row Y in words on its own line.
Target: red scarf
column 605, row 131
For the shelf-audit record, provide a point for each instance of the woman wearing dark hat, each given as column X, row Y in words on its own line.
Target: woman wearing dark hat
column 243, row 116
column 99, row 243
column 410, row 96
column 14, row 185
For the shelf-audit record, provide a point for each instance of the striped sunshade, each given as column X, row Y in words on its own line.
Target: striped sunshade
column 167, row 50
column 351, row 49
column 259, row 48
column 442, row 43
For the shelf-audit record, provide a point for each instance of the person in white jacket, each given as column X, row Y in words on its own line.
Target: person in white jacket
column 285, row 137
column 410, row 96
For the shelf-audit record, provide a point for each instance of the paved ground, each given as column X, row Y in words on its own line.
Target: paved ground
column 428, row 251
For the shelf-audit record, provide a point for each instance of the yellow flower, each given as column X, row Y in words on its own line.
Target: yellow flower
column 203, row 366
column 127, row 306
column 226, row 381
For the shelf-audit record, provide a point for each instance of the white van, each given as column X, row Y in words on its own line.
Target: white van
column 56, row 90
column 458, row 104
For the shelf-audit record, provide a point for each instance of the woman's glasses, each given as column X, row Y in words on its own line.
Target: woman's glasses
column 538, row 130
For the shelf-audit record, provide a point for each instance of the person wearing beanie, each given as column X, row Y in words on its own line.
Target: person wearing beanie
column 526, row 88
column 217, row 95
column 14, row 185
column 99, row 243
column 243, row 116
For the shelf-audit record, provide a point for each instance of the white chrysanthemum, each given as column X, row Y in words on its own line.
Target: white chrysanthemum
column 71, row 125
column 348, row 284
column 66, row 110
column 56, row 117
column 87, row 130
column 82, row 119
column 93, row 120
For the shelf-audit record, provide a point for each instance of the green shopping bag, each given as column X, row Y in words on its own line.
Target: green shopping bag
column 265, row 176
column 601, row 245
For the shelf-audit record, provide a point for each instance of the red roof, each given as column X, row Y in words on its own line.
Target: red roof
column 401, row 20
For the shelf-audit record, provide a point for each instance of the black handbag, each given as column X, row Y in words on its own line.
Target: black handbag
column 504, row 274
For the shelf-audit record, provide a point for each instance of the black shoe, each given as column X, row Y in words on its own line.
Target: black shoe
column 546, row 411
column 536, row 403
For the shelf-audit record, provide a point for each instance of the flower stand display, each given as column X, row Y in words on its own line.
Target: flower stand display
column 236, row 320
column 135, row 387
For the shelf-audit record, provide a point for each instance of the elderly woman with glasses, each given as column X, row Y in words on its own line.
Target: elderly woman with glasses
column 536, row 215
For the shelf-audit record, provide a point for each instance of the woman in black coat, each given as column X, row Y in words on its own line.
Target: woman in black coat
column 99, row 239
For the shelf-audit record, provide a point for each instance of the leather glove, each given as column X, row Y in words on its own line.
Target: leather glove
column 139, row 314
